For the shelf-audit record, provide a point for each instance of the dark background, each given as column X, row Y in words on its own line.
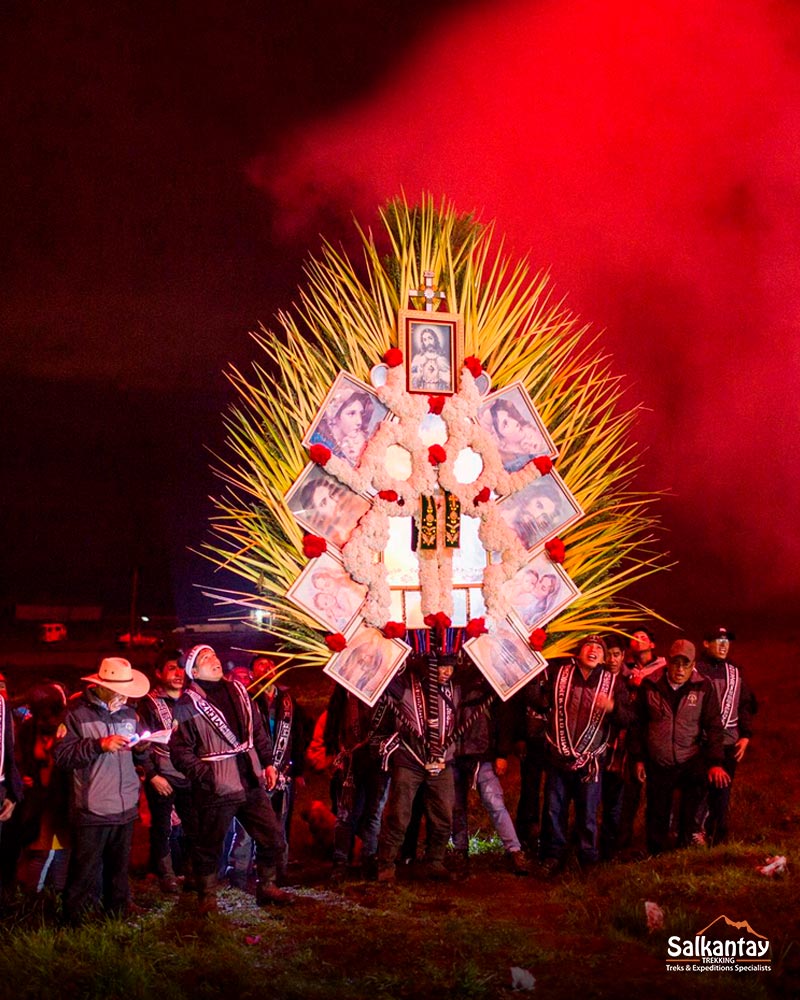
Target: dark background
column 168, row 167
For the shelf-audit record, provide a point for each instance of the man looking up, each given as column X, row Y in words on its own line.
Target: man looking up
column 221, row 745
column 737, row 708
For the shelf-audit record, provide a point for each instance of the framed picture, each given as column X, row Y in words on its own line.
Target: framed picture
column 347, row 419
column 540, row 510
column 505, row 659
column 510, row 418
column 368, row 663
column 324, row 506
column 433, row 349
column 538, row 592
column 327, row 592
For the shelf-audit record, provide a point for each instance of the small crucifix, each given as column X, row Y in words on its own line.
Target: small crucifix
column 428, row 293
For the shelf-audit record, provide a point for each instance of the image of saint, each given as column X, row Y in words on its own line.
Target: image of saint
column 517, row 437
column 431, row 364
column 347, row 422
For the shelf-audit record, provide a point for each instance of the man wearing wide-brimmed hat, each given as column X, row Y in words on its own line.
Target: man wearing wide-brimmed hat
column 94, row 744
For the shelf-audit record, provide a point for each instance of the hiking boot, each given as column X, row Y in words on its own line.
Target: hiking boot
column 517, row 863
column 436, row 872
column 386, row 872
column 267, row 892
column 270, row 895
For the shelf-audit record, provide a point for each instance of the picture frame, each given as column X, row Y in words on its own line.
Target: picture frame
column 538, row 592
column 505, row 659
column 368, row 662
column 347, row 419
column 540, row 510
column 513, row 422
column 324, row 506
column 327, row 593
column 434, row 350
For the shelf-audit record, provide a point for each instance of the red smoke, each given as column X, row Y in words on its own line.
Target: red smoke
column 647, row 154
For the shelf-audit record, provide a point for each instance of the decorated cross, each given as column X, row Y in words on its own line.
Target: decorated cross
column 428, row 293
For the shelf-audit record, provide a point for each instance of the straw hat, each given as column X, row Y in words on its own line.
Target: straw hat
column 118, row 675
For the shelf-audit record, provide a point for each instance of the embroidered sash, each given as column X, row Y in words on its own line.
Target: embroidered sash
column 729, row 702
column 213, row 716
column 579, row 750
column 165, row 718
column 283, row 732
column 3, row 724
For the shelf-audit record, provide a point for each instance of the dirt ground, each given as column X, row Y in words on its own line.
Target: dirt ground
column 567, row 923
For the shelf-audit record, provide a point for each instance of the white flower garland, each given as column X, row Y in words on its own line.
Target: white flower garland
column 368, row 540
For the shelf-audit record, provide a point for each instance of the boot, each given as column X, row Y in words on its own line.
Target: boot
column 166, row 876
column 267, row 891
column 207, row 894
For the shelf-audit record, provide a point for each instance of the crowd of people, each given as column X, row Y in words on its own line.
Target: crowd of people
column 218, row 757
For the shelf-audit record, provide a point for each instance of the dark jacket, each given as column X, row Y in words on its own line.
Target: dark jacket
column 288, row 759
column 156, row 758
column 738, row 716
column 105, row 786
column 12, row 779
column 573, row 706
column 214, row 766
column 675, row 726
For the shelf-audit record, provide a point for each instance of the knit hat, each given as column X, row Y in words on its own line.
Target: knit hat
column 593, row 638
column 191, row 658
column 118, row 675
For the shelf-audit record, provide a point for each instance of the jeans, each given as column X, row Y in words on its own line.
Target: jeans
column 561, row 788
column 360, row 808
column 491, row 793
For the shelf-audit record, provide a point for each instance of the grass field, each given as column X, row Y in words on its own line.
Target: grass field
column 579, row 936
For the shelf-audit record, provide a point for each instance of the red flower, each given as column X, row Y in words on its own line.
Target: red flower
column 537, row 638
column 473, row 365
column 476, row 627
column 436, row 404
column 313, row 546
column 440, row 620
column 336, row 641
column 483, row 496
column 320, row 453
column 390, row 495
column 436, row 454
column 393, row 357
column 543, row 463
column 555, row 549
column 394, row 630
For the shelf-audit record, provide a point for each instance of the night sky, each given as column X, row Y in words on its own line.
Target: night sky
column 168, row 167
